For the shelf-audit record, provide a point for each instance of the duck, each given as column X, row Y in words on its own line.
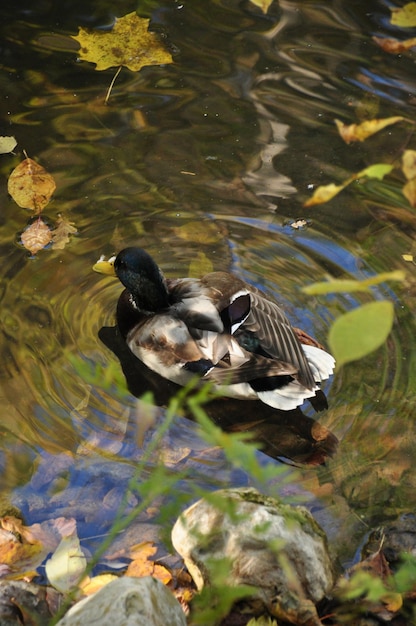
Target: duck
column 217, row 328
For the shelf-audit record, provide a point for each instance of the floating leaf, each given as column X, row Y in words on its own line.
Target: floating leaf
column 324, row 193
column 262, row 4
column 66, row 565
column 36, row 236
column 378, row 170
column 60, row 234
column 404, row 16
column 395, row 46
column 327, row 192
column 361, row 331
column 409, row 164
column 360, row 132
column 129, row 43
column 30, row 185
column 349, row 286
column 408, row 258
column 7, row 144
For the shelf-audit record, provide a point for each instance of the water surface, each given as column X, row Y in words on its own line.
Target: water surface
column 206, row 163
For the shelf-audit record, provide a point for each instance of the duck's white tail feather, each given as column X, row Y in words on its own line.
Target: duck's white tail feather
column 287, row 398
column 321, row 363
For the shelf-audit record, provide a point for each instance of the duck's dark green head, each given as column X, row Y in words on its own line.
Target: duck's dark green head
column 142, row 278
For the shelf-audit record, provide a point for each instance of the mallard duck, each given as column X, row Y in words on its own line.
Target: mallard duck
column 217, row 328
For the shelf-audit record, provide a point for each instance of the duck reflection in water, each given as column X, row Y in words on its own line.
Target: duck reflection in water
column 229, row 334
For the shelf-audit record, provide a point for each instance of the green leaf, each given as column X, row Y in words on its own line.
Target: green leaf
column 361, row 331
column 378, row 170
column 348, row 286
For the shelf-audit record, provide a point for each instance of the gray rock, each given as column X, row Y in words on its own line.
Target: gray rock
column 128, row 602
column 277, row 548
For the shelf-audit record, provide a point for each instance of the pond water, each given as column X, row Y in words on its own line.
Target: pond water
column 205, row 162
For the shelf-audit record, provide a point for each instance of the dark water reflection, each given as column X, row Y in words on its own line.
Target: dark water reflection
column 204, row 162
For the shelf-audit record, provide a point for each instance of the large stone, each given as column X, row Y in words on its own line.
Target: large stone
column 128, row 602
column 277, row 548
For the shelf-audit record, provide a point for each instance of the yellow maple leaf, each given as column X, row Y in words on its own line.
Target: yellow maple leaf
column 129, row 43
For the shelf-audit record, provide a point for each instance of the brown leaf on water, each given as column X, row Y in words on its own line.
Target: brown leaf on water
column 60, row 234
column 129, row 43
column 31, row 186
column 395, row 46
column 36, row 236
column 360, row 132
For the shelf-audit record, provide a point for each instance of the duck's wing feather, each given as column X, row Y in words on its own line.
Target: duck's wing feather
column 276, row 336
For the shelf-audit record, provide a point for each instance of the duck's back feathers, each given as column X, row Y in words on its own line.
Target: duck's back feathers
column 224, row 331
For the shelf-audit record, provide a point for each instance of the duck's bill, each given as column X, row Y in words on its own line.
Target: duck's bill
column 105, row 267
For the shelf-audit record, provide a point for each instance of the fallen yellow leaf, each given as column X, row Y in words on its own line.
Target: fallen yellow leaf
column 91, row 585
column 324, row 193
column 36, row 236
column 30, row 185
column 408, row 258
column 360, row 132
column 129, row 43
column 404, row 16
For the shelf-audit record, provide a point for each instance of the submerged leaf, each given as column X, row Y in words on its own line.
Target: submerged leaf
column 360, row 132
column 361, row 331
column 60, row 234
column 129, row 43
column 66, row 565
column 36, row 236
column 30, row 185
column 404, row 16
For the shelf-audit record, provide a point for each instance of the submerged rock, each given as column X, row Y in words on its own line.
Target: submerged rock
column 277, row 548
column 128, row 602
